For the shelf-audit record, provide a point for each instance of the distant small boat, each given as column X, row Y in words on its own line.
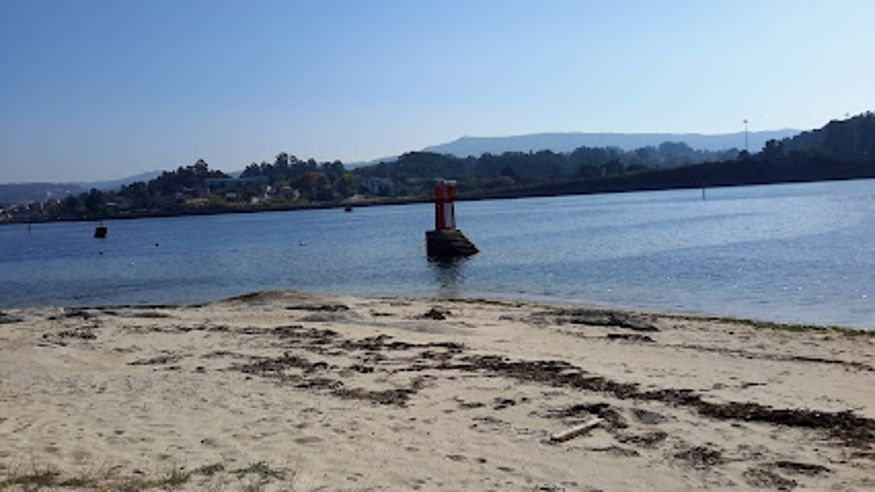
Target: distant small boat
column 347, row 209
column 100, row 232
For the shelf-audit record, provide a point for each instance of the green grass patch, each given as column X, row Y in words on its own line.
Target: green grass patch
column 175, row 478
column 261, row 469
column 78, row 482
column 209, row 470
column 35, row 478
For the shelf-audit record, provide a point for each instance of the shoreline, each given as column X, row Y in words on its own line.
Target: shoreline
column 680, row 315
column 535, row 191
column 273, row 390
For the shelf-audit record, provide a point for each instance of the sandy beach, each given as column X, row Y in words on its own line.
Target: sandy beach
column 291, row 391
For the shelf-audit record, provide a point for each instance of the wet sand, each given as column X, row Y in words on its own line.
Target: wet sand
column 280, row 391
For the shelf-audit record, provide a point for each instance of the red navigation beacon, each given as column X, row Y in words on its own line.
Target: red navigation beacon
column 446, row 240
column 444, row 205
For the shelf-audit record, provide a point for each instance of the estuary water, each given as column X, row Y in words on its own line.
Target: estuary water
column 796, row 253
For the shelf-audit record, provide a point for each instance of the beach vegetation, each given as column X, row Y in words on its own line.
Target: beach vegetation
column 32, row 477
column 37, row 476
column 209, row 470
column 262, row 470
column 175, row 478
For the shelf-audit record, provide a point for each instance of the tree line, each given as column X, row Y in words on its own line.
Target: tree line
column 545, row 166
column 840, row 150
column 286, row 182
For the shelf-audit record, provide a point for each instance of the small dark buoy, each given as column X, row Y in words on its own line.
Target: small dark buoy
column 156, row 244
column 347, row 209
column 100, row 232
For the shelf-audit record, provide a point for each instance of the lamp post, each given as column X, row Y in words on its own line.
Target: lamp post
column 746, row 149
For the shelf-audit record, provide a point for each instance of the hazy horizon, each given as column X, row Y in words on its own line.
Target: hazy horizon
column 428, row 148
column 99, row 90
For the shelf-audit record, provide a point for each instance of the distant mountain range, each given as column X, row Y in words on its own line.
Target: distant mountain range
column 35, row 192
column 566, row 142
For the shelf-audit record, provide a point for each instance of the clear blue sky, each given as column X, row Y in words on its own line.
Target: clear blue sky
column 105, row 89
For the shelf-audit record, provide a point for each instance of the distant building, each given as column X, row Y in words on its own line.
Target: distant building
column 372, row 185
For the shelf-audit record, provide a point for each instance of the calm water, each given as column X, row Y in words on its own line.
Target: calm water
column 800, row 253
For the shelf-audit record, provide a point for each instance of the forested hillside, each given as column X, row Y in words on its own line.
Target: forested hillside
column 840, row 150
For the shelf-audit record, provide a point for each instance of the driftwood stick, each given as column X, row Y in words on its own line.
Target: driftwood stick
column 575, row 431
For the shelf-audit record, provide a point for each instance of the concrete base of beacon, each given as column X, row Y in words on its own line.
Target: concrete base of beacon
column 450, row 243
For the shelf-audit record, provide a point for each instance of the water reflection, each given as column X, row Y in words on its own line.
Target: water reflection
column 449, row 276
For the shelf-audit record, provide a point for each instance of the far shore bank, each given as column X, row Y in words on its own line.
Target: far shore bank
column 627, row 184
column 279, row 390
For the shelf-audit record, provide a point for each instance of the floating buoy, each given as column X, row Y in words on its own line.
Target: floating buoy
column 347, row 209
column 100, row 232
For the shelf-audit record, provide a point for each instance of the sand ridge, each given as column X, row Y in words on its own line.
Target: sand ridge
column 281, row 391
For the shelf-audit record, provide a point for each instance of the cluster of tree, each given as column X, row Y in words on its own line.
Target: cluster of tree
column 184, row 179
column 196, row 188
column 313, row 181
column 850, row 140
column 747, row 170
column 544, row 164
column 160, row 194
column 533, row 168
column 840, row 150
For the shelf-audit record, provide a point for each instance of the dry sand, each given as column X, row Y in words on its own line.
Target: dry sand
column 286, row 391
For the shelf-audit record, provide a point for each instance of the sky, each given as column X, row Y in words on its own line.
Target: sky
column 103, row 89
